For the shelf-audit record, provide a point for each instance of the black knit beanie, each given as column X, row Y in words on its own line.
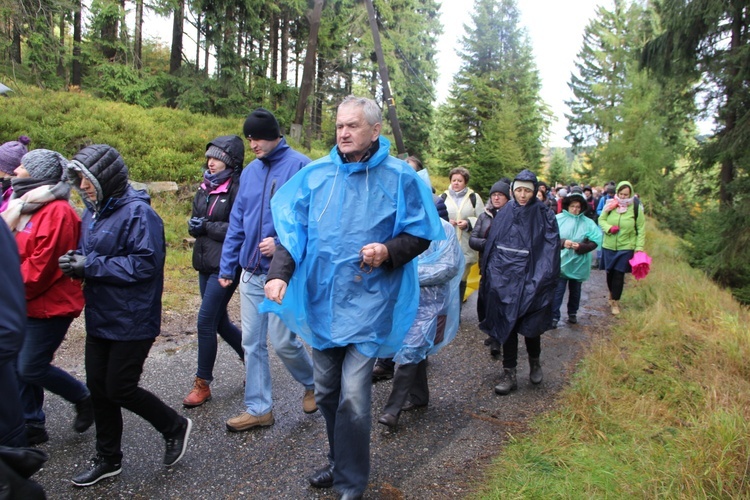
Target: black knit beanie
column 261, row 124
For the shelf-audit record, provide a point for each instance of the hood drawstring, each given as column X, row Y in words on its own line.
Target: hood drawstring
column 333, row 188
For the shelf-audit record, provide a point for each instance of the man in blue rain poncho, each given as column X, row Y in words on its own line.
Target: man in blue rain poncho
column 349, row 226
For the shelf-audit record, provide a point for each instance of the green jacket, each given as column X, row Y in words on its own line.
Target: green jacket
column 626, row 238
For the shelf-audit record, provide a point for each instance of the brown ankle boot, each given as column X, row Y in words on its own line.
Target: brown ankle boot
column 200, row 394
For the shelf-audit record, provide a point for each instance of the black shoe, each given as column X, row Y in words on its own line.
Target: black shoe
column 99, row 470
column 553, row 325
column 36, row 434
column 322, row 478
column 390, row 421
column 176, row 445
column 572, row 319
column 409, row 406
column 380, row 372
column 84, row 415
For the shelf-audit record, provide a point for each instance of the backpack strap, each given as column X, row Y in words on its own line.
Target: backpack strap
column 636, row 209
column 473, row 199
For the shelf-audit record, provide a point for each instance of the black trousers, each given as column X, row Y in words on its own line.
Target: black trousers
column 113, row 370
column 615, row 283
column 510, row 349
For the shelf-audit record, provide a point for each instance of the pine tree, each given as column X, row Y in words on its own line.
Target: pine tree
column 497, row 75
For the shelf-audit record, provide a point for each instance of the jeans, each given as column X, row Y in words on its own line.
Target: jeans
column 213, row 318
column 257, row 327
column 113, row 370
column 35, row 370
column 574, row 297
column 343, row 392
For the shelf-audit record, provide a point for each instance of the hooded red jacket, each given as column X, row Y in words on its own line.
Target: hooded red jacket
column 52, row 230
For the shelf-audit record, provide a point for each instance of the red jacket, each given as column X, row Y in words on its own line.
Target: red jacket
column 52, row 230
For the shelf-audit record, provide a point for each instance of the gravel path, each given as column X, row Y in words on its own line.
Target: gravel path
column 439, row 452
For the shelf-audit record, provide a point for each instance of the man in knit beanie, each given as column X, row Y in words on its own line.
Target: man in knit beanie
column 261, row 124
column 249, row 245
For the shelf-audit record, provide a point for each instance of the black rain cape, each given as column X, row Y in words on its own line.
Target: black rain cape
column 520, row 266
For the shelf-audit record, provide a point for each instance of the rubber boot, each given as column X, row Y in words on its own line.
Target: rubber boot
column 507, row 382
column 402, row 382
column 535, row 372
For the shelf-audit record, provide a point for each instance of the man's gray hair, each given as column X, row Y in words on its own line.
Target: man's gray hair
column 371, row 110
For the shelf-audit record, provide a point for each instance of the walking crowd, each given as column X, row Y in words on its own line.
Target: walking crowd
column 353, row 254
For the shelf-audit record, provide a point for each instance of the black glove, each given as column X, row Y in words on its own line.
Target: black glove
column 72, row 264
column 197, row 226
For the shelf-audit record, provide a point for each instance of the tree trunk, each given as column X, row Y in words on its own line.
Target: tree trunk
column 318, row 100
column 308, row 73
column 284, row 47
column 76, row 63
column 175, row 54
column 61, row 55
column 727, row 165
column 198, row 42
column 273, row 43
column 138, row 42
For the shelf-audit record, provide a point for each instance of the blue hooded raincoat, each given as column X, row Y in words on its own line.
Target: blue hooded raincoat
column 324, row 215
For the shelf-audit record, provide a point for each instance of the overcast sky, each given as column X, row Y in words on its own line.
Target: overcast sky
column 555, row 28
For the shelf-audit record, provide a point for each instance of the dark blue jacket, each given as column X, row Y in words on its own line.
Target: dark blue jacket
column 124, row 274
column 250, row 221
column 12, row 330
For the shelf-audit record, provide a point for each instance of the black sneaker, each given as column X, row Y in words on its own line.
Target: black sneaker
column 572, row 319
column 36, row 434
column 177, row 444
column 99, row 470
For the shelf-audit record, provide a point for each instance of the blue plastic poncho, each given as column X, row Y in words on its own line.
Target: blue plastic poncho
column 440, row 268
column 324, row 215
column 575, row 228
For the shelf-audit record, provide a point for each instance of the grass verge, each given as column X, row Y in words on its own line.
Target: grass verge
column 658, row 408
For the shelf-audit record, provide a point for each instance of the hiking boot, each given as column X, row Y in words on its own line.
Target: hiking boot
column 176, row 444
column 199, row 394
column 84, row 415
column 36, row 433
column 245, row 421
column 572, row 319
column 615, row 306
column 380, row 372
column 98, row 470
column 308, row 401
column 535, row 372
column 507, row 382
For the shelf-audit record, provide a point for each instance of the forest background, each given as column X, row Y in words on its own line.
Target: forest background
column 646, row 72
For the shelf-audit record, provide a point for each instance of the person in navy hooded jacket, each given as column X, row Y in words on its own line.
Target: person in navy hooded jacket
column 120, row 258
